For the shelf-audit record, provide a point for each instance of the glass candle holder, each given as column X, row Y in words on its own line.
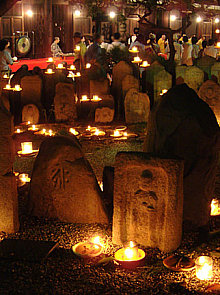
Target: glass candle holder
column 26, row 147
column 204, row 267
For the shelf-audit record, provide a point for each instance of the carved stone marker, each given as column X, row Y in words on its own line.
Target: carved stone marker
column 215, row 71
column 210, row 93
column 63, row 185
column 119, row 71
column 104, row 115
column 180, row 74
column 184, row 126
column 156, row 79
column 194, row 77
column 148, row 200
column 99, row 87
column 31, row 90
column 64, row 102
column 205, row 63
column 9, row 222
column 30, row 113
column 137, row 107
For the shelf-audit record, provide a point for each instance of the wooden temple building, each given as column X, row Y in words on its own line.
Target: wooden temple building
column 39, row 21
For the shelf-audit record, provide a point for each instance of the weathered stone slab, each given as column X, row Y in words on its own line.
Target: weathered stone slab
column 30, row 113
column 137, row 107
column 184, row 126
column 148, row 200
column 210, row 93
column 7, row 153
column 119, row 71
column 215, row 71
column 99, row 87
column 104, row 115
column 128, row 82
column 63, row 185
column 194, row 77
column 6, row 121
column 9, row 222
column 205, row 63
column 180, row 74
column 156, row 79
column 162, row 80
column 64, row 102
column 5, row 102
column 31, row 90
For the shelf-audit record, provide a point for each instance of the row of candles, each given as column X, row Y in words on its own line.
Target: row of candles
column 130, row 256
column 90, row 131
column 137, row 59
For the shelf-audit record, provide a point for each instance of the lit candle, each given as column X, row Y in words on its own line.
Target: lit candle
column 70, row 75
column 130, row 257
column 88, row 128
column 60, row 66
column 28, row 122
column 18, row 130
column 17, row 88
column 77, row 74
column 218, row 44
column 33, row 128
column 163, row 91
column 44, row 130
column 5, row 76
column 50, row 132
column 204, row 267
column 88, row 66
column 49, row 71
column 134, row 50
column 26, row 147
column 50, row 59
column 84, row 98
column 24, row 178
column 125, row 134
column 72, row 68
column 215, row 207
column 96, row 98
column 116, row 133
column 99, row 132
column 145, row 64
column 77, row 48
column 8, row 87
column 73, row 131
column 137, row 59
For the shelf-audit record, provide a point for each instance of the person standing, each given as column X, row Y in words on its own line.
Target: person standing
column 5, row 56
column 55, row 48
column 187, row 52
column 116, row 42
column 195, row 50
column 210, row 50
column 94, row 52
column 162, row 43
column 79, row 55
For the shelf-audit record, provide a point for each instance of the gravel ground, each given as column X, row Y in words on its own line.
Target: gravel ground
column 64, row 273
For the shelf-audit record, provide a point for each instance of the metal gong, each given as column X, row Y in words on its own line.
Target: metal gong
column 23, row 45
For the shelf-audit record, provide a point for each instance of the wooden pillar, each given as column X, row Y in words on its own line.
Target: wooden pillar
column 48, row 26
column 68, row 28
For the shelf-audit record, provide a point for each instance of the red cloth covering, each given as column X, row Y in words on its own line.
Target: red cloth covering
column 41, row 63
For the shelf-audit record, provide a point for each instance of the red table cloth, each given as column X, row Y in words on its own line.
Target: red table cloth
column 41, row 63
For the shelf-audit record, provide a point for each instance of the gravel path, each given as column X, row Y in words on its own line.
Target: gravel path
column 64, row 273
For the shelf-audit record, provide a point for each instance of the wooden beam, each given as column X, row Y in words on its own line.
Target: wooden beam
column 5, row 5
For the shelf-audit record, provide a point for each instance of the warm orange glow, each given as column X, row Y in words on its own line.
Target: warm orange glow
column 77, row 48
column 72, row 68
column 204, row 267
column 77, row 74
column 88, row 66
column 17, row 88
column 215, row 207
column 134, row 50
column 5, row 76
column 73, row 131
column 125, row 134
column 116, row 133
column 18, row 130
column 84, row 98
column 26, row 147
column 99, row 132
column 33, row 128
column 163, row 92
column 24, row 178
column 8, row 87
column 49, row 71
column 145, row 64
column 60, row 66
column 96, row 98
column 50, row 59
column 137, row 59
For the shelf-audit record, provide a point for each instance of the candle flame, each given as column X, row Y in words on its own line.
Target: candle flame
column 18, row 130
column 88, row 128
column 215, row 207
column 116, row 133
column 88, row 66
column 205, row 272
column 50, row 132
column 29, row 122
column 26, row 147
